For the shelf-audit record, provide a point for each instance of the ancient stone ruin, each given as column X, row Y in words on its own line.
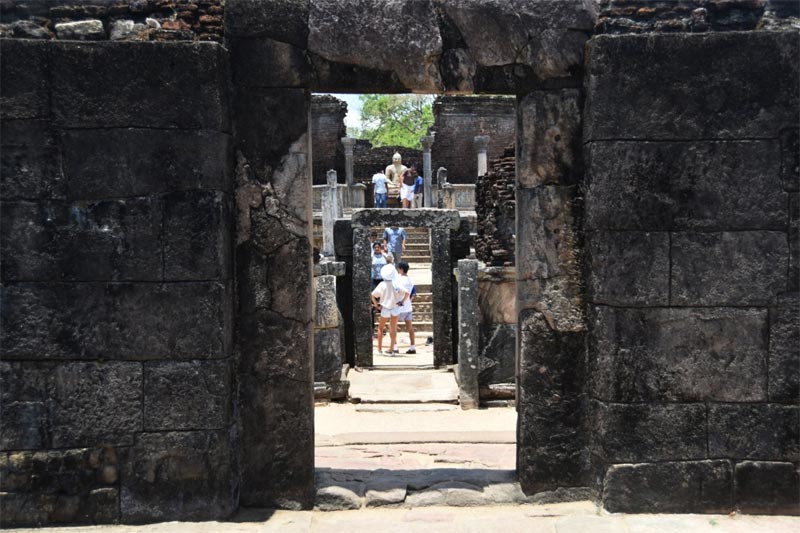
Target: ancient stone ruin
column 496, row 212
column 157, row 317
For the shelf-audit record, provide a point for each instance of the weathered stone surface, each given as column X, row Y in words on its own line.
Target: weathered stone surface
column 550, row 434
column 82, row 30
column 794, row 242
column 115, row 321
column 547, row 256
column 784, row 350
column 107, row 240
column 669, row 487
column 684, row 185
column 132, row 162
column 119, row 92
column 790, row 159
column 757, row 431
column 406, row 218
column 178, row 476
column 678, row 354
column 186, row 395
column 628, row 267
column 497, row 296
column 634, row 83
column 124, row 30
column 498, row 354
column 95, row 403
column 383, row 494
column 453, row 493
column 327, row 312
column 767, row 488
column 23, row 398
column 282, row 20
column 362, row 287
column 442, row 298
column 27, row 29
column 30, row 161
column 702, row 274
column 549, row 138
column 197, row 236
column 26, row 82
column 270, row 63
column 59, row 487
column 340, row 497
column 343, row 238
column 328, row 356
column 648, row 432
column 468, row 334
column 356, row 33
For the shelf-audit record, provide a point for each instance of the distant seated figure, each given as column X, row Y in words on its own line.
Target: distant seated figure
column 394, row 173
column 380, row 190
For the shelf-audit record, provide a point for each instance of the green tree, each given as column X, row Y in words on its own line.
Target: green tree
column 395, row 119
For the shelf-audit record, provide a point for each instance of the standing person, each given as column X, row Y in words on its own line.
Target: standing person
column 385, row 298
column 394, row 242
column 379, row 189
column 378, row 260
column 407, row 187
column 406, row 315
column 419, row 190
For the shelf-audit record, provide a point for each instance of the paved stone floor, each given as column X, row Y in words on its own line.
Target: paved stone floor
column 403, row 386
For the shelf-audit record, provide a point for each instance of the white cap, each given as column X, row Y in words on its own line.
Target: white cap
column 388, row 272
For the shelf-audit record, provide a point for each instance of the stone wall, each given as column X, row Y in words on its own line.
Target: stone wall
column 117, row 344
column 368, row 159
column 497, row 322
column 327, row 130
column 692, row 238
column 457, row 120
column 695, row 16
column 495, row 207
column 117, row 20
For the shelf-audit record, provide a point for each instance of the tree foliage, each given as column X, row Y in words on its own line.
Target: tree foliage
column 395, row 119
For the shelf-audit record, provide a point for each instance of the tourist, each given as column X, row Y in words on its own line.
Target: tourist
column 380, row 191
column 378, row 261
column 394, row 242
column 385, row 298
column 406, row 315
column 407, row 187
column 419, row 188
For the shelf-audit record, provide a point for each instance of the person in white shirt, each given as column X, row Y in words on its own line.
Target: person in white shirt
column 387, row 298
column 379, row 189
column 406, row 315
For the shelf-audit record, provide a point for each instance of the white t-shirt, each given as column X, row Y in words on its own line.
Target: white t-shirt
column 386, row 296
column 380, row 183
column 405, row 283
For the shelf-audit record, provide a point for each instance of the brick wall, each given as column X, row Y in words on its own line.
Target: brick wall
column 327, row 130
column 116, row 312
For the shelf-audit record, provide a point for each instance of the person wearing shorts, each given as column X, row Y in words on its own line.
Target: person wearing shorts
column 406, row 314
column 384, row 299
column 409, row 180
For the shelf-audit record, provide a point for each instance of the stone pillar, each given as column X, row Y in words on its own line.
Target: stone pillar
column 349, row 143
column 331, row 210
column 481, row 143
column 358, row 193
column 442, row 297
column 362, row 285
column 427, row 169
column 468, row 334
column 441, row 179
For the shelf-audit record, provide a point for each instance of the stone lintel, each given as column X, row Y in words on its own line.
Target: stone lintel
column 409, row 218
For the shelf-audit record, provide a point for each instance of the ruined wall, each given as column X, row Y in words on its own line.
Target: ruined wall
column 116, row 314
column 497, row 322
column 116, row 20
column 327, row 130
column 457, row 120
column 368, row 159
column 692, row 237
column 495, row 207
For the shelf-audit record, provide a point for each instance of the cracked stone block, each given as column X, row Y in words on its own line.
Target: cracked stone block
column 498, row 354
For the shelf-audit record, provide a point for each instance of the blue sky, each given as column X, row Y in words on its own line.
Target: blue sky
column 353, row 118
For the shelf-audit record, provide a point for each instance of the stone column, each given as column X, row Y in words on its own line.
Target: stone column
column 481, row 143
column 441, row 179
column 442, row 297
column 427, row 169
column 331, row 210
column 349, row 143
column 468, row 334
column 362, row 285
column 358, row 193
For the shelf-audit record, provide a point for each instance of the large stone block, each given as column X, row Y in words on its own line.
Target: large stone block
column 548, row 269
column 442, row 298
column 448, row 219
column 113, row 240
column 794, row 242
column 702, row 272
column 784, row 350
column 116, row 321
column 551, row 440
column 103, row 163
column 95, row 403
column 648, row 432
column 197, row 244
column 497, row 298
column 757, row 431
column 183, row 395
column 549, row 138
column 30, row 161
column 790, row 159
column 111, row 84
column 636, row 84
column 26, row 81
column 628, row 267
column 328, row 355
column 59, row 487
column 283, row 20
column 684, row 185
column 678, row 354
column 767, row 488
column 326, row 311
column 669, row 487
column 497, row 351
column 178, row 476
column 23, row 403
column 266, row 62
